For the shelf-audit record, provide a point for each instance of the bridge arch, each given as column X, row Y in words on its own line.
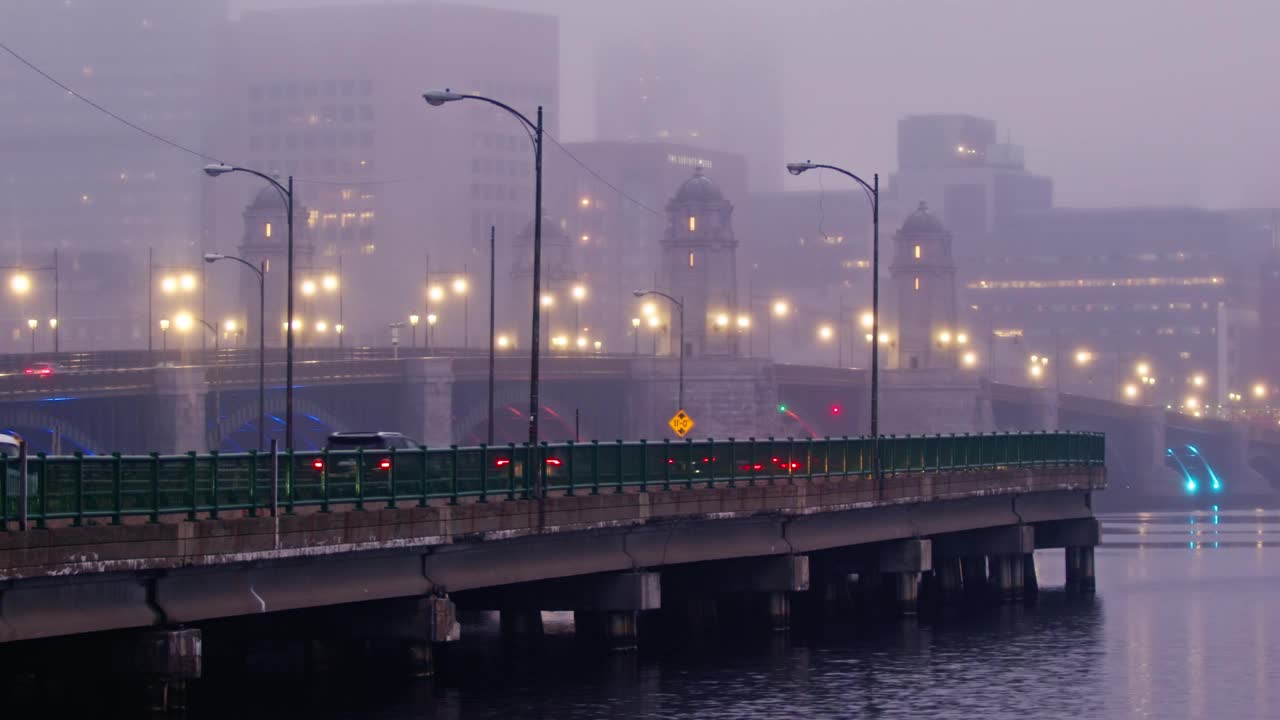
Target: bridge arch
column 238, row 430
column 511, row 419
column 46, row 432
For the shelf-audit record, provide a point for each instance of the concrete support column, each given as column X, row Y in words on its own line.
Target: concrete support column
column 1030, row 581
column 1015, row 576
column 902, row 562
column 521, row 627
column 426, row 408
column 169, row 660
column 906, row 592
column 974, row 570
column 1001, row 578
column 948, row 580
column 177, row 422
column 778, row 610
column 1080, row 576
column 615, row 630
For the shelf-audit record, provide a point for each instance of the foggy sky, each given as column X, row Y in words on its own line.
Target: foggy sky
column 1138, row 102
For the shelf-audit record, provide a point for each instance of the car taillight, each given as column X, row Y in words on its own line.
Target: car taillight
column 45, row 371
column 29, row 371
column 503, row 462
column 553, row 461
column 317, row 464
column 385, row 464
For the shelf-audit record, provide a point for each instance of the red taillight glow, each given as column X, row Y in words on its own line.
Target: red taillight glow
column 553, row 461
column 503, row 462
column 385, row 465
column 29, row 371
column 317, row 464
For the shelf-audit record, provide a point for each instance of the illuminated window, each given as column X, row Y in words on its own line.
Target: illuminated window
column 917, row 283
column 917, row 252
column 268, row 229
column 693, row 223
column 690, row 259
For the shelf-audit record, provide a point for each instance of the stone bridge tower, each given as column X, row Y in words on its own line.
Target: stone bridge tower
column 266, row 233
column 923, row 273
column 699, row 265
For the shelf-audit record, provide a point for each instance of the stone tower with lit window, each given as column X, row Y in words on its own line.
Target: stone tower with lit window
column 266, row 233
column 699, row 267
column 923, row 273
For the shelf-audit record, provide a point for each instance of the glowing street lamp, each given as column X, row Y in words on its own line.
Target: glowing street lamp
column 825, row 332
column 169, row 285
column 435, row 293
column 183, row 322
column 503, row 342
column 20, row 284
column 722, row 320
column 1083, row 357
column 413, row 325
column 308, row 287
column 1197, row 380
column 1131, row 391
column 164, row 333
column 329, row 282
column 867, row 320
column 944, row 337
column 969, row 359
column 1259, row 391
column 1143, row 369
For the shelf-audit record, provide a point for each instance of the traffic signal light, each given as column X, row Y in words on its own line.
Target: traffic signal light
column 782, row 408
column 835, row 409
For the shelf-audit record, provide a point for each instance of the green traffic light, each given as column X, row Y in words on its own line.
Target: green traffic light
column 782, row 408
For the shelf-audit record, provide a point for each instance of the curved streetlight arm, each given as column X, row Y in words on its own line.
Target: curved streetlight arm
column 642, row 293
column 872, row 194
column 212, row 258
column 440, row 98
column 680, row 307
column 262, row 337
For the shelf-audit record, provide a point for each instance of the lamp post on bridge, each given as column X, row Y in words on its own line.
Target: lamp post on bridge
column 436, row 98
column 286, row 194
column 20, row 284
column 873, row 195
column 261, row 272
column 680, row 308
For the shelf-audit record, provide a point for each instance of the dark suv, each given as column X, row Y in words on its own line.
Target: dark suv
column 373, row 443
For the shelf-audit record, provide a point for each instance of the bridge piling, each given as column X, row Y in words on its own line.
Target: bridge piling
column 169, row 660
column 902, row 562
column 1030, row 581
column 1080, row 577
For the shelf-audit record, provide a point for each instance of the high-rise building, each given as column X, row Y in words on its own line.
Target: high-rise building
column 333, row 96
column 1156, row 287
column 690, row 94
column 971, row 179
column 75, row 179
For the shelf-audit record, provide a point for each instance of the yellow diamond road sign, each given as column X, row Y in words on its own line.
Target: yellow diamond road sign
column 681, row 423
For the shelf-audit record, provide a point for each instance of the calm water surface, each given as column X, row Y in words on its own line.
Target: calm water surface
column 1186, row 624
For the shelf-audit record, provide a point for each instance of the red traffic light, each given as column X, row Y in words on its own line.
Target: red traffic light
column 835, row 410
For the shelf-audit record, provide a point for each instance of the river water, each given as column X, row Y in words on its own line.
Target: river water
column 1185, row 624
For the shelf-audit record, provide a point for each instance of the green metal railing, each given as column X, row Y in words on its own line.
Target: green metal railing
column 109, row 488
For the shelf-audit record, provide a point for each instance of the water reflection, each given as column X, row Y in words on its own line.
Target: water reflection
column 1182, row 627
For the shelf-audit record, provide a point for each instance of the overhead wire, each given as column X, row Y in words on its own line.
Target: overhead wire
column 310, row 181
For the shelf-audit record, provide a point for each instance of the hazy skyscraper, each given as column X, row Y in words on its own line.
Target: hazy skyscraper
column 728, row 100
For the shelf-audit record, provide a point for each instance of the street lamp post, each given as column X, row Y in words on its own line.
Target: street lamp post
column 164, row 334
column 436, row 98
column 414, row 319
column 261, row 272
column 286, row 194
column 492, row 280
column 679, row 308
column 873, row 195
column 33, row 324
column 21, row 285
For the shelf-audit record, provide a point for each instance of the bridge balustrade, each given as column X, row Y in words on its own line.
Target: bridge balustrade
column 84, row 489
